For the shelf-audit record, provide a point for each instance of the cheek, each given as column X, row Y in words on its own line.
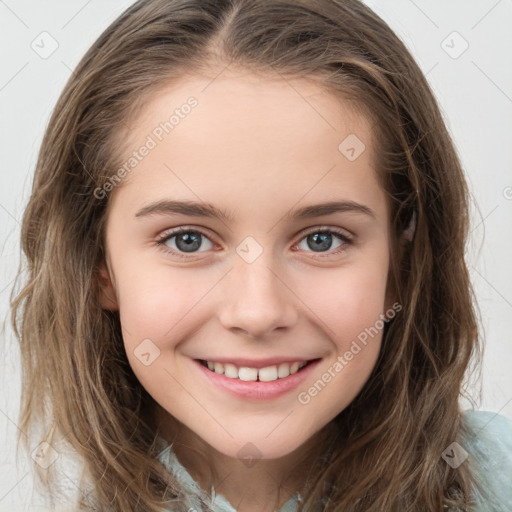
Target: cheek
column 349, row 304
column 154, row 305
column 346, row 300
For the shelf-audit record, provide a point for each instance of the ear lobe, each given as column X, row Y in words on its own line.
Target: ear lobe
column 108, row 299
column 408, row 233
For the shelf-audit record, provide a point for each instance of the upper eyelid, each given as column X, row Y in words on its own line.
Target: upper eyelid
column 323, row 227
column 172, row 232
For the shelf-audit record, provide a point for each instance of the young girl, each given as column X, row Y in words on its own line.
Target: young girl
column 246, row 279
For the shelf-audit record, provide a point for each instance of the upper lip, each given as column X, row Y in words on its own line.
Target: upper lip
column 256, row 363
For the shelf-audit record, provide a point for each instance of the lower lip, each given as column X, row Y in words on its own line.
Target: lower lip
column 258, row 390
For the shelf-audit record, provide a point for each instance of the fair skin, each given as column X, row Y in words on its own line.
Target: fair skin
column 259, row 149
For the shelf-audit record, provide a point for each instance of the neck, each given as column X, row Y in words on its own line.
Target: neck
column 262, row 485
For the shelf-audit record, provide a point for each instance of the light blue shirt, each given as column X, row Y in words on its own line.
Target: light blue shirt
column 489, row 444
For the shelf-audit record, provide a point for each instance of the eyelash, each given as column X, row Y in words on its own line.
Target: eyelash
column 347, row 241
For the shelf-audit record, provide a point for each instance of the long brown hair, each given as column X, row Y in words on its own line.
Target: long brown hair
column 385, row 447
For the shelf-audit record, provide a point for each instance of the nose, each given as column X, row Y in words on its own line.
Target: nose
column 256, row 300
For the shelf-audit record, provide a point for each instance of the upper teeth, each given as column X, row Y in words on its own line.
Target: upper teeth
column 266, row 374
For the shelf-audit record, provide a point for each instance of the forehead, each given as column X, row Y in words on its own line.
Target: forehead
column 247, row 132
column 237, row 101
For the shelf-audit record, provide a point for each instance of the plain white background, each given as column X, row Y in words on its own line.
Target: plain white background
column 463, row 46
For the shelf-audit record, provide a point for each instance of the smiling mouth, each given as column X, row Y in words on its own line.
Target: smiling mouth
column 267, row 374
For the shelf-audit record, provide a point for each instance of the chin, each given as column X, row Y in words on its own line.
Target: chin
column 251, row 449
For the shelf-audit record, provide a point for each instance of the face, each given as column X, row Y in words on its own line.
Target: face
column 256, row 278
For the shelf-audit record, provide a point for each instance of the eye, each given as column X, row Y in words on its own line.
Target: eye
column 320, row 240
column 184, row 240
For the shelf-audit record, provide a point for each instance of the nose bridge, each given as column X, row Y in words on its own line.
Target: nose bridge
column 255, row 298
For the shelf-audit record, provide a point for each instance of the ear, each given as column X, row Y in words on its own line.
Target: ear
column 408, row 233
column 108, row 299
column 406, row 238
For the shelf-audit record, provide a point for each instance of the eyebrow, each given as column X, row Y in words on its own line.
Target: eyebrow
column 191, row 208
column 195, row 209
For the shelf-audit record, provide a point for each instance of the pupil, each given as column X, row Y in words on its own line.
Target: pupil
column 320, row 241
